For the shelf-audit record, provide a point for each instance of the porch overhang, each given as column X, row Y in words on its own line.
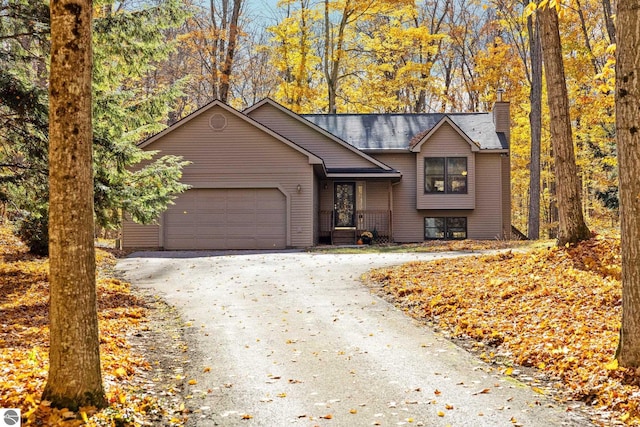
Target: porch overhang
column 361, row 174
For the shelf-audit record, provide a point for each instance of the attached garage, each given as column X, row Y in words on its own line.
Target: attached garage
column 233, row 218
column 250, row 187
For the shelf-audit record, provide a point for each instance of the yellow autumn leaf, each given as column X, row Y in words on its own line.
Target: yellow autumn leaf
column 538, row 390
column 193, row 382
column 612, row 366
column 440, row 414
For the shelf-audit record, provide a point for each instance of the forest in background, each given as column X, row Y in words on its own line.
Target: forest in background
column 157, row 61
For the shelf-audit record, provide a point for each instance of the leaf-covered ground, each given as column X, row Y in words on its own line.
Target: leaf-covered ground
column 24, row 340
column 551, row 313
column 554, row 312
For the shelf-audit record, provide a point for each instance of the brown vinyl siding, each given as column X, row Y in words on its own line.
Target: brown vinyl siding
column 407, row 221
column 486, row 220
column 276, row 161
column 140, row 236
column 445, row 142
column 377, row 195
column 316, row 209
column 333, row 154
column 506, row 195
column 241, row 156
column 483, row 222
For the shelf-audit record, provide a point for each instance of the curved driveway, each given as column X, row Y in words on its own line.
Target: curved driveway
column 294, row 338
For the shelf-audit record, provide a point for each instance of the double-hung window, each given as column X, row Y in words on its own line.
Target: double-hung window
column 445, row 175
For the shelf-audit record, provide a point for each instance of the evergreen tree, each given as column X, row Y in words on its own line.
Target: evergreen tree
column 129, row 103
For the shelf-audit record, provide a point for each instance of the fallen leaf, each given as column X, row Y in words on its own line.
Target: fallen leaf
column 538, row 390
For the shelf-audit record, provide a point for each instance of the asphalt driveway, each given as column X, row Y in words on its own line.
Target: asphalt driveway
column 294, row 338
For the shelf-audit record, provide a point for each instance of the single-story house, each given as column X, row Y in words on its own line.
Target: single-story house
column 267, row 178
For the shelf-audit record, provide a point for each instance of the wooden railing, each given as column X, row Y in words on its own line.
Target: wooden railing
column 378, row 222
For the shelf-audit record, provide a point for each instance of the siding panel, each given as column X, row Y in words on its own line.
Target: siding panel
column 140, row 236
column 483, row 222
column 239, row 156
column 486, row 221
column 333, row 154
column 445, row 142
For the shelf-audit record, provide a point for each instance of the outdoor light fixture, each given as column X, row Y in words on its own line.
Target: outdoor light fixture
column 299, row 188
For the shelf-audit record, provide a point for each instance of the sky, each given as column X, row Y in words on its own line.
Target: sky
column 262, row 9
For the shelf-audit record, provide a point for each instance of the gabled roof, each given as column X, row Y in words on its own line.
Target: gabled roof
column 313, row 159
column 324, row 131
column 416, row 142
column 396, row 131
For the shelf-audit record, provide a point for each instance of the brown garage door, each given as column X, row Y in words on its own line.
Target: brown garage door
column 248, row 218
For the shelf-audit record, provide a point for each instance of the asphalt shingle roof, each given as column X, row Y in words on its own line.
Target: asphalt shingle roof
column 395, row 131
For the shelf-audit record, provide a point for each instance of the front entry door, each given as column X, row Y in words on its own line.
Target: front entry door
column 345, row 204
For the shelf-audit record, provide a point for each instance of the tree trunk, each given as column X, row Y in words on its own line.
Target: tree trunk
column 587, row 39
column 74, row 356
column 628, row 139
column 608, row 19
column 231, row 50
column 571, row 227
column 535, row 122
column 333, row 54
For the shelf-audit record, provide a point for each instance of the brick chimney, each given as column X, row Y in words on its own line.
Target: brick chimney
column 502, row 114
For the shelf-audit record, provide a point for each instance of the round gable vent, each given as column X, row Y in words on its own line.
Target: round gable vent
column 217, row 121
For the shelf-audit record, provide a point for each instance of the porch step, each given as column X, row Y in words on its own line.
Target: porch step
column 343, row 237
